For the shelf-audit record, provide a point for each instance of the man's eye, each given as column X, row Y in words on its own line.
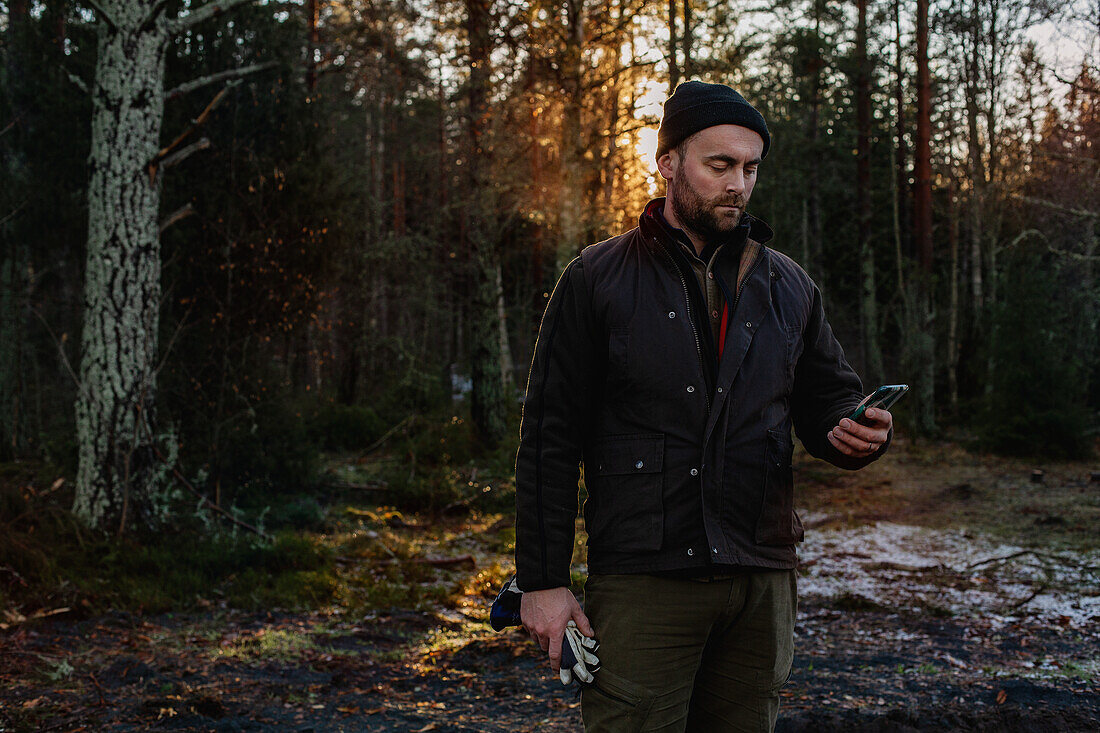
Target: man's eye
column 750, row 171
column 718, row 168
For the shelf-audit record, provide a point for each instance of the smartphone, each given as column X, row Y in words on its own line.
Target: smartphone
column 882, row 398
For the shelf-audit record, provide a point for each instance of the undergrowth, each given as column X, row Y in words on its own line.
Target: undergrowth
column 333, row 544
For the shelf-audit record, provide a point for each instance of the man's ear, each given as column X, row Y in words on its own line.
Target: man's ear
column 667, row 164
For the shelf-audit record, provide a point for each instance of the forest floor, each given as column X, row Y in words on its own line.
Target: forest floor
column 939, row 590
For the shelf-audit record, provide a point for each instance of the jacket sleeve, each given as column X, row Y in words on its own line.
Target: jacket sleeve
column 826, row 389
column 556, row 414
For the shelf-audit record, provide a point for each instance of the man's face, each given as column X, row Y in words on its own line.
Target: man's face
column 709, row 187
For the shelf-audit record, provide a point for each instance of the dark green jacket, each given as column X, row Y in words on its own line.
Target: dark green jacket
column 682, row 471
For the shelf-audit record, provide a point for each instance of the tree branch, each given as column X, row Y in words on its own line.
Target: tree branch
column 80, row 83
column 215, row 78
column 155, row 163
column 206, row 12
column 1083, row 213
column 104, row 15
column 178, row 215
column 180, row 155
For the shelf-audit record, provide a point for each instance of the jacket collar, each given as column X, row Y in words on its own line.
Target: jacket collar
column 652, row 223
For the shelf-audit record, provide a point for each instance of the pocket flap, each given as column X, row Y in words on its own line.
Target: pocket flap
column 626, row 454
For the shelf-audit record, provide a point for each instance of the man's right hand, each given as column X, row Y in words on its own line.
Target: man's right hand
column 545, row 613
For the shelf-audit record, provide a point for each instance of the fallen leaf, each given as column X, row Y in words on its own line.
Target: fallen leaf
column 1001, row 696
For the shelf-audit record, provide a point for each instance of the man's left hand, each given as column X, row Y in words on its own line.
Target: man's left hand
column 860, row 441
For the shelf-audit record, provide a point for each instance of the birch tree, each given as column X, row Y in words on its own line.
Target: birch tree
column 121, row 467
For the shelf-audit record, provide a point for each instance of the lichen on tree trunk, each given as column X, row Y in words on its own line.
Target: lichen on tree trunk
column 115, row 411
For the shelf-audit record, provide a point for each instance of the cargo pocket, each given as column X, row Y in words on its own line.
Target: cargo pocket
column 778, row 524
column 625, row 490
column 612, row 703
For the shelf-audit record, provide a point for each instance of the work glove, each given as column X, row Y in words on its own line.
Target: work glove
column 578, row 656
column 578, row 652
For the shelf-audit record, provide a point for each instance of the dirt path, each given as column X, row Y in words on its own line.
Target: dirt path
column 855, row 669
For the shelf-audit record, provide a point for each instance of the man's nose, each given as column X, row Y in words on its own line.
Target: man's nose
column 735, row 181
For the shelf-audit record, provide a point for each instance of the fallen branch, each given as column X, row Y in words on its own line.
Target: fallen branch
column 438, row 562
column 202, row 497
column 368, row 486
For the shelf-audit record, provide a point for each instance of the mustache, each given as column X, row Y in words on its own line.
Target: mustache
column 738, row 201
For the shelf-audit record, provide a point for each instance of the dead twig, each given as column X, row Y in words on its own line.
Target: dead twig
column 386, row 436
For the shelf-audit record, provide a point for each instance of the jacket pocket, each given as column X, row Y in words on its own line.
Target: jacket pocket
column 778, row 524
column 625, row 511
column 618, row 348
column 793, row 334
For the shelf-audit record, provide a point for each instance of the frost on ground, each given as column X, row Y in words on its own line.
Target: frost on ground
column 949, row 572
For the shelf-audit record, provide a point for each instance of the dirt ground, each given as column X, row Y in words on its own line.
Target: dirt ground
column 939, row 591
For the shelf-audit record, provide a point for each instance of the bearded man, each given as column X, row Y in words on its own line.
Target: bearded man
column 672, row 362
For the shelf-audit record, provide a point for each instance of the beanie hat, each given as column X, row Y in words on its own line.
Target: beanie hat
column 696, row 105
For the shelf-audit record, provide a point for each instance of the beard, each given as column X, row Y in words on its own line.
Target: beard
column 700, row 215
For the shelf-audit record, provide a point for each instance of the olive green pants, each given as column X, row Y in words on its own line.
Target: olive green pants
column 689, row 655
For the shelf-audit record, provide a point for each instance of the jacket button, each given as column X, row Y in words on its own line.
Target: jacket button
column 748, row 324
column 695, row 472
column 690, row 388
column 714, row 314
column 672, row 314
column 719, row 389
column 639, row 464
column 690, row 552
column 714, row 550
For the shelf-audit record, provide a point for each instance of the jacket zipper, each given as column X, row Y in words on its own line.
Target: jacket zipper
column 694, row 331
column 737, row 297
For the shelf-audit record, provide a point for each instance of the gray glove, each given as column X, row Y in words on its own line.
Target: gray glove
column 578, row 656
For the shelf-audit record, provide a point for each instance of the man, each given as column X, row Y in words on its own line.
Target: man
column 673, row 361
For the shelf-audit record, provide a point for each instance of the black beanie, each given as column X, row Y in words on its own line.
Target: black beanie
column 696, row 105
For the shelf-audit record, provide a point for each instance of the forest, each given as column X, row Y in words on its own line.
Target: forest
column 256, row 473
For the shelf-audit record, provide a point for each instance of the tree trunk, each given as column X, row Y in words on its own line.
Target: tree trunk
column 673, row 48
column 487, row 332
column 120, row 476
column 975, row 170
column 868, row 310
column 571, row 204
column 901, row 160
column 924, row 339
column 953, row 314
column 311, row 47
column 13, row 245
column 115, row 410
column 687, row 40
column 816, row 260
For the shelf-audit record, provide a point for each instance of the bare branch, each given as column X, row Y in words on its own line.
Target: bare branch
column 14, row 213
column 155, row 163
column 80, row 83
column 1083, row 213
column 206, row 12
column 215, row 78
column 104, row 15
column 180, row 155
column 60, row 342
column 178, row 215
